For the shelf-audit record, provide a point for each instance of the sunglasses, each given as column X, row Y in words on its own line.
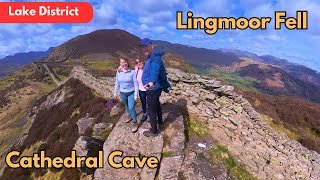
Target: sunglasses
column 139, row 62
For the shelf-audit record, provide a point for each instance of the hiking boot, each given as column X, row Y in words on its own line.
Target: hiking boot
column 144, row 117
column 161, row 127
column 135, row 127
column 150, row 134
column 128, row 120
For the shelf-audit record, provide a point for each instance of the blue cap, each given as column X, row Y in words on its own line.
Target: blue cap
column 145, row 42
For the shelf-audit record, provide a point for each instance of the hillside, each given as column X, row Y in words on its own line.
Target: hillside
column 13, row 62
column 18, row 91
column 295, row 116
column 296, row 70
column 100, row 51
column 112, row 42
column 199, row 56
column 276, row 81
column 265, row 73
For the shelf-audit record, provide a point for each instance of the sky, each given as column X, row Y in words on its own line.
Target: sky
column 157, row 20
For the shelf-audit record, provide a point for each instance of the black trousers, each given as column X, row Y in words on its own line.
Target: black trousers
column 154, row 108
column 143, row 99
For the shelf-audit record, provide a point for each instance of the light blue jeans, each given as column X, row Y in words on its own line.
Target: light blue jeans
column 128, row 100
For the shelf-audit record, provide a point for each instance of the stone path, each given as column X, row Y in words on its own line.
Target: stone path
column 131, row 144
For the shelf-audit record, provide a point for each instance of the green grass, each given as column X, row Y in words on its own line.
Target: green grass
column 220, row 153
column 165, row 154
column 280, row 127
column 189, row 68
column 47, row 79
column 75, row 112
column 60, row 76
column 246, row 84
column 141, row 155
column 314, row 132
column 6, row 82
column 105, row 133
column 102, row 65
column 196, row 128
column 9, row 79
column 96, row 94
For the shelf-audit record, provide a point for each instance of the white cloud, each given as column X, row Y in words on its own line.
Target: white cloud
column 105, row 15
column 210, row 8
column 186, row 36
column 161, row 30
column 157, row 18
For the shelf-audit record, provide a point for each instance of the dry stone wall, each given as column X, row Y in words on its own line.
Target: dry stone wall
column 233, row 122
column 103, row 86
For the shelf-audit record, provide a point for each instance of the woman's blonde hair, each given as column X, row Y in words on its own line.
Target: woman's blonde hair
column 126, row 59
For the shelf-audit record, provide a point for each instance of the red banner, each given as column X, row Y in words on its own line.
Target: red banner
column 45, row 12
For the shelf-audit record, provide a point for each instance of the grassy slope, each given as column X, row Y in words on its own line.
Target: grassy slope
column 13, row 120
column 296, row 117
column 51, row 132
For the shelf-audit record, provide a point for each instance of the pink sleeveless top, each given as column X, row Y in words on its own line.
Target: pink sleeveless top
column 139, row 78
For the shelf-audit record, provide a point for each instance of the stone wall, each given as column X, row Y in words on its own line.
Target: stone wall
column 232, row 121
column 103, row 86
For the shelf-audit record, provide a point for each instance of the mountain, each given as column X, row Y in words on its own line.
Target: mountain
column 240, row 53
column 26, row 58
column 100, row 50
column 276, row 81
column 13, row 62
column 112, row 42
column 266, row 74
column 199, row 56
column 298, row 71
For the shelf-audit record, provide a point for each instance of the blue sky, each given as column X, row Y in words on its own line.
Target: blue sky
column 156, row 20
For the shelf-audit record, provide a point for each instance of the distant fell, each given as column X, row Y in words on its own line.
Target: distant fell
column 194, row 55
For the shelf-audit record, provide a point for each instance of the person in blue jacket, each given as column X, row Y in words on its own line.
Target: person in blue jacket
column 154, row 78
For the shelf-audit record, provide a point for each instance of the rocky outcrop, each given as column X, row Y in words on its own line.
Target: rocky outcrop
column 230, row 119
column 131, row 144
column 101, row 130
column 87, row 147
column 85, row 124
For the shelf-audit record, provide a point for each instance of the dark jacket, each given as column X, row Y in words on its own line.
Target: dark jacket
column 154, row 71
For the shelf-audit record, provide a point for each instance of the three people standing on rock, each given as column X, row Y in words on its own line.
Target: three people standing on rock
column 151, row 80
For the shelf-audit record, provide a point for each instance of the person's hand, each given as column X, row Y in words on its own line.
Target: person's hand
column 135, row 98
column 149, row 85
column 117, row 96
column 119, row 69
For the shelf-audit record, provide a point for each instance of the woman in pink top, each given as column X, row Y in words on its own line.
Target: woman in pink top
column 142, row 90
